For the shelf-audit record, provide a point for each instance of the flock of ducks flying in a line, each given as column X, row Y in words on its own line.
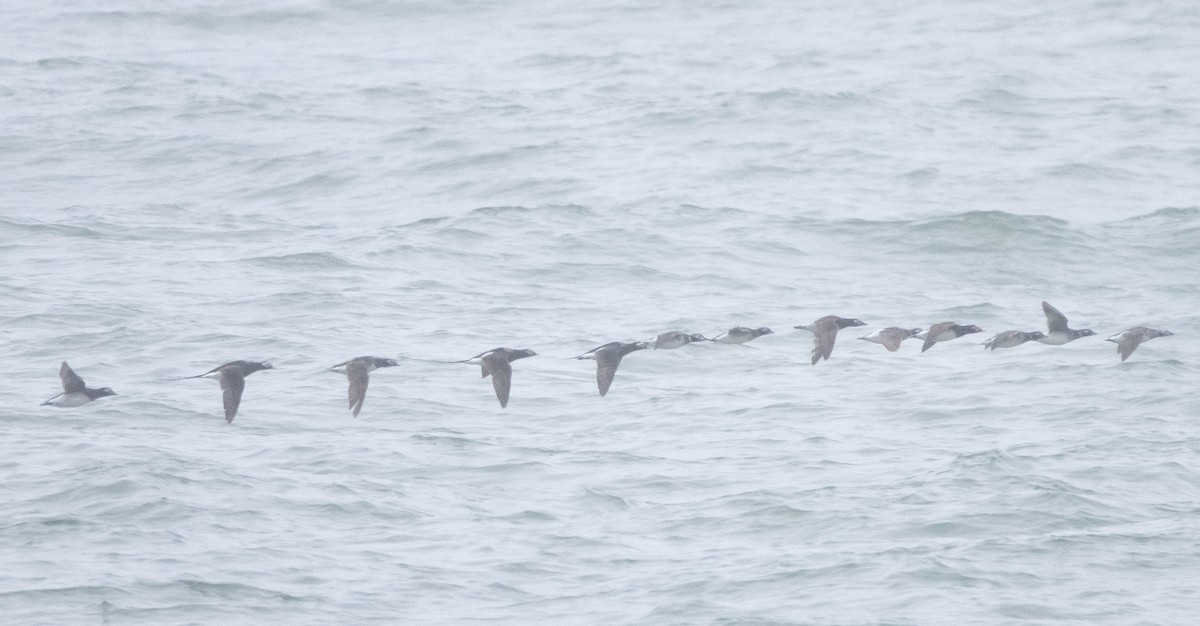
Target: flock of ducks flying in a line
column 497, row 363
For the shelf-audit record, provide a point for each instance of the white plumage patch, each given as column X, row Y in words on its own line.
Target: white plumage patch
column 68, row 400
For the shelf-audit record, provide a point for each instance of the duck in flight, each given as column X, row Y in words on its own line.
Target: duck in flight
column 1011, row 339
column 1057, row 331
column 75, row 392
column 608, row 358
column 741, row 334
column 945, row 331
column 497, row 363
column 824, row 332
column 357, row 371
column 676, row 339
column 1128, row 340
column 233, row 381
column 892, row 336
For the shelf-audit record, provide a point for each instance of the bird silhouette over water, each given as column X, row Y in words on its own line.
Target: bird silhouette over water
column 945, row 331
column 75, row 392
column 497, row 363
column 233, row 381
column 608, row 359
column 1127, row 341
column 892, row 336
column 1056, row 326
column 825, row 331
column 1011, row 339
column 357, row 371
column 741, row 334
column 675, row 339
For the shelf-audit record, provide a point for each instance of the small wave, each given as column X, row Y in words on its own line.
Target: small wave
column 516, row 216
column 840, row 99
column 1085, row 171
column 571, row 61
column 226, row 590
column 529, row 516
column 38, row 230
column 977, row 220
column 324, row 183
column 998, row 98
column 59, row 592
column 472, row 162
column 224, row 21
column 1165, row 214
column 1173, row 231
column 58, row 63
column 605, row 500
column 302, row 260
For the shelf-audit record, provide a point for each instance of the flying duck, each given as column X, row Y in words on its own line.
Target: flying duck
column 75, row 392
column 675, row 339
column 496, row 363
column 892, row 336
column 357, row 371
column 945, row 331
column 608, row 358
column 741, row 334
column 1056, row 324
column 1011, row 339
column 233, row 380
column 824, row 332
column 1128, row 341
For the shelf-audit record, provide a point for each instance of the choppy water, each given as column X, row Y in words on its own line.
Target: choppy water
column 310, row 181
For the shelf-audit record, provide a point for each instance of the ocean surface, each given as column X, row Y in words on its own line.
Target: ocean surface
column 184, row 184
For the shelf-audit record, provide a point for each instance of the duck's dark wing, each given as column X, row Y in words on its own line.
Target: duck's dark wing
column 232, row 384
column 824, row 336
column 1055, row 320
column 71, row 381
column 498, row 367
column 1129, row 343
column 934, row 331
column 606, row 368
column 892, row 337
column 358, row 375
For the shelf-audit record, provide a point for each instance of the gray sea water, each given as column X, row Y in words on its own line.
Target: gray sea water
column 187, row 183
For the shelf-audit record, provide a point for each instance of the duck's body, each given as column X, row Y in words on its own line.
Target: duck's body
column 824, row 332
column 675, row 339
column 1127, row 341
column 233, row 381
column 741, row 334
column 357, row 371
column 1011, row 339
column 497, row 363
column 946, row 331
column 608, row 359
column 1057, row 331
column 75, row 392
column 892, row 336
